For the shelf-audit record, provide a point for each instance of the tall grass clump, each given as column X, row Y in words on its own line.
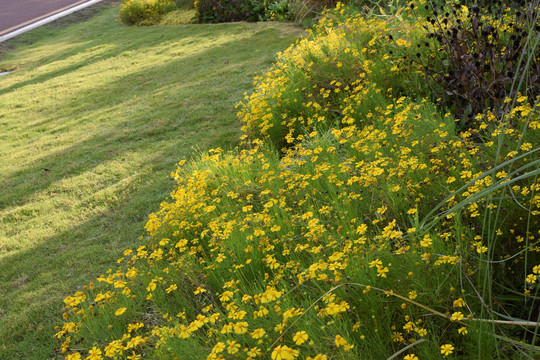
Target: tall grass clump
column 357, row 221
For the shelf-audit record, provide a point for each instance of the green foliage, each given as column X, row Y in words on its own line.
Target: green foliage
column 144, row 12
column 218, row 11
column 298, row 11
column 185, row 4
column 305, row 12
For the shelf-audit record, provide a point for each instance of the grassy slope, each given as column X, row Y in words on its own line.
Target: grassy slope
column 92, row 122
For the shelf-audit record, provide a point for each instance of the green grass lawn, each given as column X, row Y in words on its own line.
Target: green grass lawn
column 92, row 121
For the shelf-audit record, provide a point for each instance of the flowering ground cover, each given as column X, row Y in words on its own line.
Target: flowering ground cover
column 93, row 118
column 360, row 218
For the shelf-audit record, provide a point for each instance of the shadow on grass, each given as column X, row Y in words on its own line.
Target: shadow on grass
column 35, row 281
column 117, row 45
column 177, row 115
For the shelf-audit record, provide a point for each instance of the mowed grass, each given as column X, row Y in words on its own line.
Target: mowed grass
column 92, row 121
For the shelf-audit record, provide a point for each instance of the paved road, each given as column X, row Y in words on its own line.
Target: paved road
column 17, row 13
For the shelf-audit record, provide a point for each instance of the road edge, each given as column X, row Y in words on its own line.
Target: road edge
column 40, row 21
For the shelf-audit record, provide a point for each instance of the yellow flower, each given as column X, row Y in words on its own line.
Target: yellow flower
column 481, row 249
column 132, row 272
column 151, row 287
column 409, row 326
column 397, row 336
column 463, row 330
column 283, row 352
column 300, row 337
column 199, row 290
column 426, row 241
column 402, row 42
column 240, row 327
column 226, row 296
column 447, row 349
column 113, row 348
column 74, row 356
column 412, row 295
column 184, row 332
column 458, row 315
column 94, row 354
column 219, row 347
column 119, row 284
column 360, row 230
column 521, row 99
column 134, row 356
column 120, row 311
column 258, row 333
column 233, row 347
column 171, row 288
column 375, row 263
column 410, row 357
column 459, row 303
column 318, row 356
column 332, row 309
column 340, row 341
column 254, row 352
column 134, row 327
column 381, row 271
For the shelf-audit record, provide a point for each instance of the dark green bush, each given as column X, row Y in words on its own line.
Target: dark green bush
column 218, row 11
column 475, row 56
column 185, row 4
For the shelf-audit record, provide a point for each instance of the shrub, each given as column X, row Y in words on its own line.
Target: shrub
column 340, row 74
column 218, row 11
column 185, row 4
column 144, row 12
